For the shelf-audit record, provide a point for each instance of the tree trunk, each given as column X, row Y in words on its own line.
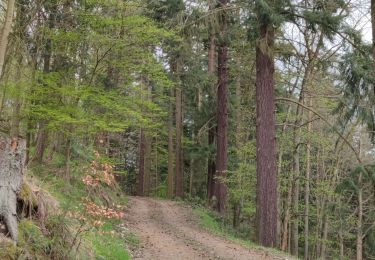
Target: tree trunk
column 282, row 226
column 147, row 166
column 179, row 168
column 191, row 178
column 170, row 150
column 41, row 142
column 295, row 197
column 5, row 33
column 341, row 234
column 28, row 141
column 67, row 158
column 307, row 181
column 211, row 164
column 265, row 135
column 239, row 142
column 294, row 235
column 325, row 235
column 222, row 113
column 359, row 246
column 237, row 214
column 286, row 223
column 156, row 165
column 12, row 157
column 141, row 164
column 211, row 167
column 192, row 169
column 42, row 136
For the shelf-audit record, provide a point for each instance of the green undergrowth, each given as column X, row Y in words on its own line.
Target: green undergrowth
column 107, row 243
column 70, row 232
column 209, row 220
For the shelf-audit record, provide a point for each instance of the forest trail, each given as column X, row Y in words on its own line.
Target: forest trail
column 168, row 230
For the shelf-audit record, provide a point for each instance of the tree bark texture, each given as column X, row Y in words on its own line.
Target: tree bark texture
column 211, row 167
column 12, row 159
column 265, row 135
column 222, row 112
column 170, row 150
column 179, row 169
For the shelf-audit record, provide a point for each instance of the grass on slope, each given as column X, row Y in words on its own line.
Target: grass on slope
column 72, row 234
column 214, row 224
column 107, row 246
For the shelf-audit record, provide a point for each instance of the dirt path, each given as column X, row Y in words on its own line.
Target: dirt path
column 168, row 231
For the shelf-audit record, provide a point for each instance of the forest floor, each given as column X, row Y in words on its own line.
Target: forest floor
column 169, row 230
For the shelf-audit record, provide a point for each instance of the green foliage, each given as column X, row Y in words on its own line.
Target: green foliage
column 271, row 12
column 241, row 182
column 95, row 72
column 161, row 191
column 210, row 220
column 324, row 14
column 357, row 75
column 83, row 93
column 72, row 232
column 107, row 245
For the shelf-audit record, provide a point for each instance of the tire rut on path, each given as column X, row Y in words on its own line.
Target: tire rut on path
column 168, row 231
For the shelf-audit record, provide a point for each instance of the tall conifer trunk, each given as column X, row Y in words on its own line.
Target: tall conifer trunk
column 170, row 149
column 222, row 111
column 211, row 129
column 179, row 161
column 266, row 145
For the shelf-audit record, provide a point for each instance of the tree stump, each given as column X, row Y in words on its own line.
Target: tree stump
column 12, row 160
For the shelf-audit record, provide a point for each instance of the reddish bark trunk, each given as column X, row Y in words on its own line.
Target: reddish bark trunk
column 266, row 145
column 222, row 113
column 211, row 168
column 179, row 171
